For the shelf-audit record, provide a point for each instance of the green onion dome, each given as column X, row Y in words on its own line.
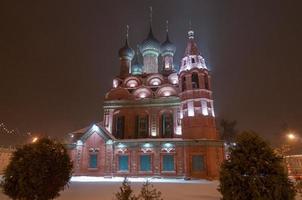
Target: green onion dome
column 167, row 47
column 150, row 45
column 126, row 52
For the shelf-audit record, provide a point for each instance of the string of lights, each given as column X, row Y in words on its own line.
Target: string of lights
column 5, row 130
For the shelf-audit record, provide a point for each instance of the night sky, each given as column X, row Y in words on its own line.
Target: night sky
column 58, row 58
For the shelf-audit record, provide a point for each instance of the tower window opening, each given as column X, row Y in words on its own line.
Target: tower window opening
column 195, row 81
column 183, row 83
column 206, row 82
column 193, row 60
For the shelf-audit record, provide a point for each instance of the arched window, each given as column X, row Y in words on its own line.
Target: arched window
column 195, row 80
column 167, row 125
column 193, row 60
column 142, row 126
column 119, row 127
column 183, row 83
column 206, row 82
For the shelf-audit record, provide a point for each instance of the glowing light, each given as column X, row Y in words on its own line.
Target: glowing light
column 167, row 93
column 147, row 145
column 191, row 109
column 79, row 143
column 35, row 139
column 121, row 145
column 71, row 135
column 142, row 95
column 132, row 85
column 204, row 108
column 168, row 145
column 155, row 83
column 153, row 133
column 115, row 83
column 291, row 136
column 178, row 130
column 94, row 128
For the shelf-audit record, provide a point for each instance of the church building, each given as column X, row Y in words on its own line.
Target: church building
column 158, row 121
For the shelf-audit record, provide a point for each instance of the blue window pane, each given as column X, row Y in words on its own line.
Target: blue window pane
column 93, row 161
column 197, row 163
column 123, row 163
column 145, row 163
column 168, row 163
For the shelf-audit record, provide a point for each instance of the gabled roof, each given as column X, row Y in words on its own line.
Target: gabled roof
column 84, row 133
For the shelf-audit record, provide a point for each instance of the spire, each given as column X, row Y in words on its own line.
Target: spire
column 167, row 31
column 191, row 48
column 127, row 35
column 190, row 32
column 150, row 35
column 150, row 15
column 126, row 51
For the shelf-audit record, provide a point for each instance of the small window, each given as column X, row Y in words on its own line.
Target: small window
column 168, row 163
column 206, row 82
column 193, row 60
column 195, row 81
column 93, row 161
column 197, row 163
column 123, row 163
column 183, row 83
column 145, row 163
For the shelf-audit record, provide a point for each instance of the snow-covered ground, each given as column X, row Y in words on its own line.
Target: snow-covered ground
column 98, row 188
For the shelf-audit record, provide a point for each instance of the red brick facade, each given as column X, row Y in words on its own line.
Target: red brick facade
column 157, row 121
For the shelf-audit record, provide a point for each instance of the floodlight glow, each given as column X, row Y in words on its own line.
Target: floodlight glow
column 291, row 136
column 167, row 93
column 178, row 130
column 168, row 145
column 79, row 143
column 115, row 83
column 121, row 145
column 147, row 145
column 94, row 127
column 35, row 139
column 142, row 95
column 204, row 108
column 191, row 109
column 109, row 142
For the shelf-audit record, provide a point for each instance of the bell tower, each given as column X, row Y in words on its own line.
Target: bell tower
column 198, row 119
